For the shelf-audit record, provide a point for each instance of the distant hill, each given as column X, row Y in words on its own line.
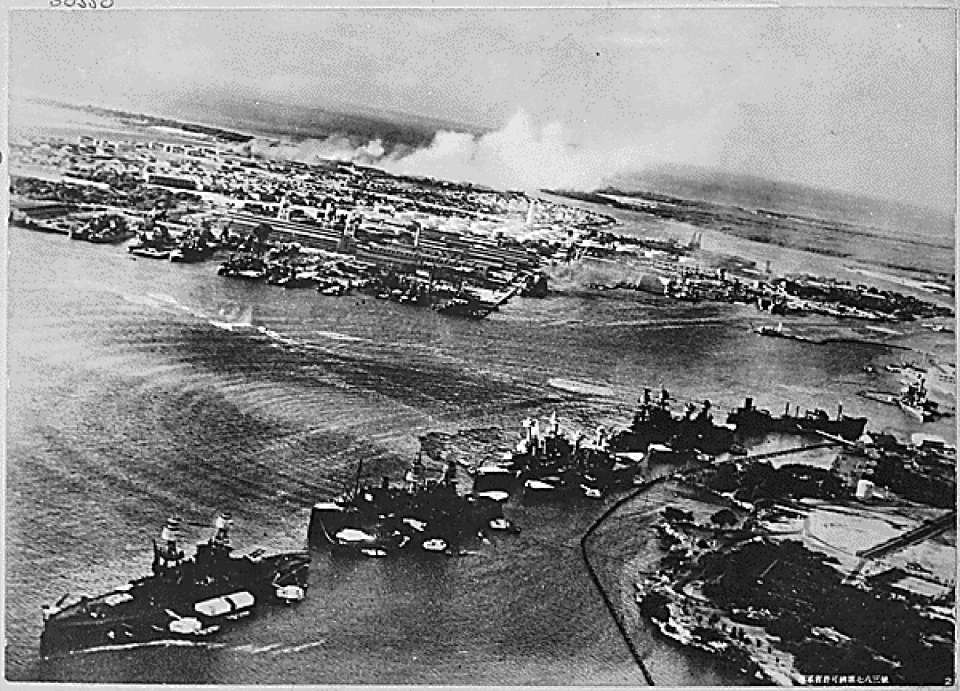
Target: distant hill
column 395, row 129
column 754, row 193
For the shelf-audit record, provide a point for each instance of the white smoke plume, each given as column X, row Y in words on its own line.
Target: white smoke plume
column 525, row 156
column 586, row 274
column 336, row 147
column 520, row 155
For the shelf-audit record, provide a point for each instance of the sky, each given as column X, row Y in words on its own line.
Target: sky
column 860, row 100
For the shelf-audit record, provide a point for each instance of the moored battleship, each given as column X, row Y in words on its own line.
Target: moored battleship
column 422, row 513
column 912, row 400
column 546, row 463
column 654, row 423
column 181, row 598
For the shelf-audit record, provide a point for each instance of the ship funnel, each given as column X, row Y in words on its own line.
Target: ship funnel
column 223, row 521
column 664, row 396
column 171, row 531
column 748, row 403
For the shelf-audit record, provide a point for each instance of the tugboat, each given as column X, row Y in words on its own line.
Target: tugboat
column 424, row 513
column 181, row 598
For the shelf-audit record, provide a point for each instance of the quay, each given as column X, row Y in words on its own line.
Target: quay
column 507, row 242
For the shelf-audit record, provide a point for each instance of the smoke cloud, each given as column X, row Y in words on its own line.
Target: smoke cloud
column 336, row 147
column 525, row 156
column 520, row 155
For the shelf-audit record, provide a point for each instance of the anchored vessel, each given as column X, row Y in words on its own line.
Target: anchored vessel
column 422, row 514
column 655, row 424
column 545, row 463
column 181, row 598
column 912, row 400
column 751, row 421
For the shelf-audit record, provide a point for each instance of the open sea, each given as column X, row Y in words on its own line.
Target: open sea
column 130, row 401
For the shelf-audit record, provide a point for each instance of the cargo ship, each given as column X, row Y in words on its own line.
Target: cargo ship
column 751, row 421
column 421, row 515
column 182, row 598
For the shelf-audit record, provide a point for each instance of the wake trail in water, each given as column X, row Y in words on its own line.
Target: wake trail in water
column 165, row 643
column 228, row 317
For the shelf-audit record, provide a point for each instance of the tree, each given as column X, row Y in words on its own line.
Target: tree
column 262, row 232
column 724, row 517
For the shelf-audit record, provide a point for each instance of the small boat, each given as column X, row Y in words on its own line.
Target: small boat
column 591, row 492
column 538, row 486
column 353, row 536
column 435, row 544
column 374, row 552
column 150, row 252
column 499, row 524
column 249, row 274
column 494, row 495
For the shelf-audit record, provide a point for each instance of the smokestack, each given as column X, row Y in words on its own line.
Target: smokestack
column 748, row 404
column 839, row 411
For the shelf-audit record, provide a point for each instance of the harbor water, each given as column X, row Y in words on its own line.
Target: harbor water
column 139, row 390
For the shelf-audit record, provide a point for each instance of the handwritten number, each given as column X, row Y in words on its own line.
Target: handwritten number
column 83, row 4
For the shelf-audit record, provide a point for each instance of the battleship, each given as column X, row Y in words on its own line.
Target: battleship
column 183, row 598
column 428, row 515
column 751, row 421
column 546, row 463
column 912, row 400
column 656, row 426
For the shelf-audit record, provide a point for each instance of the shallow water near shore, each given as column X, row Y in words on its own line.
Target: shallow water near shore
column 128, row 403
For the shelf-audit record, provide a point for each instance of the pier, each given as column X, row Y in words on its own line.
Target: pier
column 926, row 530
column 791, row 450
